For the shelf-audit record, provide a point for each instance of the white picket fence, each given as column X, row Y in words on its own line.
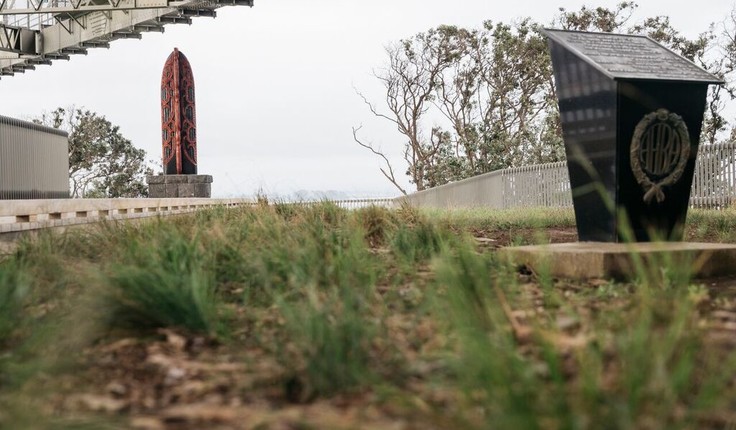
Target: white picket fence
column 714, row 185
column 539, row 185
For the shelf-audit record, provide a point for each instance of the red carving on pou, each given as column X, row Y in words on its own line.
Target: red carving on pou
column 178, row 116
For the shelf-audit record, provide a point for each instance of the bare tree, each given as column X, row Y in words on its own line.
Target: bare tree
column 387, row 170
column 415, row 66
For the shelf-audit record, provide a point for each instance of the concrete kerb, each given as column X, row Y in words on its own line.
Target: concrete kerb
column 587, row 260
column 21, row 215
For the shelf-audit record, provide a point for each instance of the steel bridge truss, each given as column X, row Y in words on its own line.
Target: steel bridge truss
column 39, row 31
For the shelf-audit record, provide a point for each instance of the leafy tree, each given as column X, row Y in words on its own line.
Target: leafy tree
column 598, row 19
column 102, row 162
column 470, row 101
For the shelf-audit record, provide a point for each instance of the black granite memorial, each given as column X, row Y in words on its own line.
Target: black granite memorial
column 631, row 113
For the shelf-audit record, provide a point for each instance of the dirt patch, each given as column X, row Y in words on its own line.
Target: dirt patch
column 177, row 382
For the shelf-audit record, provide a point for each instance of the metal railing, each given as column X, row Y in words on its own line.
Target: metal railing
column 31, row 21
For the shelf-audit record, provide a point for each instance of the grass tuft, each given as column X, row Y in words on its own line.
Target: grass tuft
column 332, row 338
column 168, row 285
column 14, row 288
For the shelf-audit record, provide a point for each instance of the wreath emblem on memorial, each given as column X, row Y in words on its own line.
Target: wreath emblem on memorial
column 659, row 152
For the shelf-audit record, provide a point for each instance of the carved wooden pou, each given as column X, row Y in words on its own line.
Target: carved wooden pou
column 178, row 117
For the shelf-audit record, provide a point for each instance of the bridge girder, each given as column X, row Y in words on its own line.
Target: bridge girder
column 74, row 31
column 80, row 6
column 18, row 40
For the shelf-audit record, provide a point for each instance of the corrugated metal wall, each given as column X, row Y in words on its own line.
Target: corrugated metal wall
column 34, row 161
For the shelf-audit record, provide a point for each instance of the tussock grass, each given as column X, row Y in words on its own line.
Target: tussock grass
column 624, row 371
column 332, row 336
column 401, row 310
column 710, row 225
column 164, row 284
column 507, row 219
column 13, row 291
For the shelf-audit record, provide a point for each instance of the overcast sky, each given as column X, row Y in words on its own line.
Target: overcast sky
column 275, row 83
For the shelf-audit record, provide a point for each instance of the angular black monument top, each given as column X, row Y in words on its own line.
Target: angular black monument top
column 630, row 57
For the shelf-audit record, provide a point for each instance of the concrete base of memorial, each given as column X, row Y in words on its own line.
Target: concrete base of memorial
column 585, row 260
column 173, row 186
